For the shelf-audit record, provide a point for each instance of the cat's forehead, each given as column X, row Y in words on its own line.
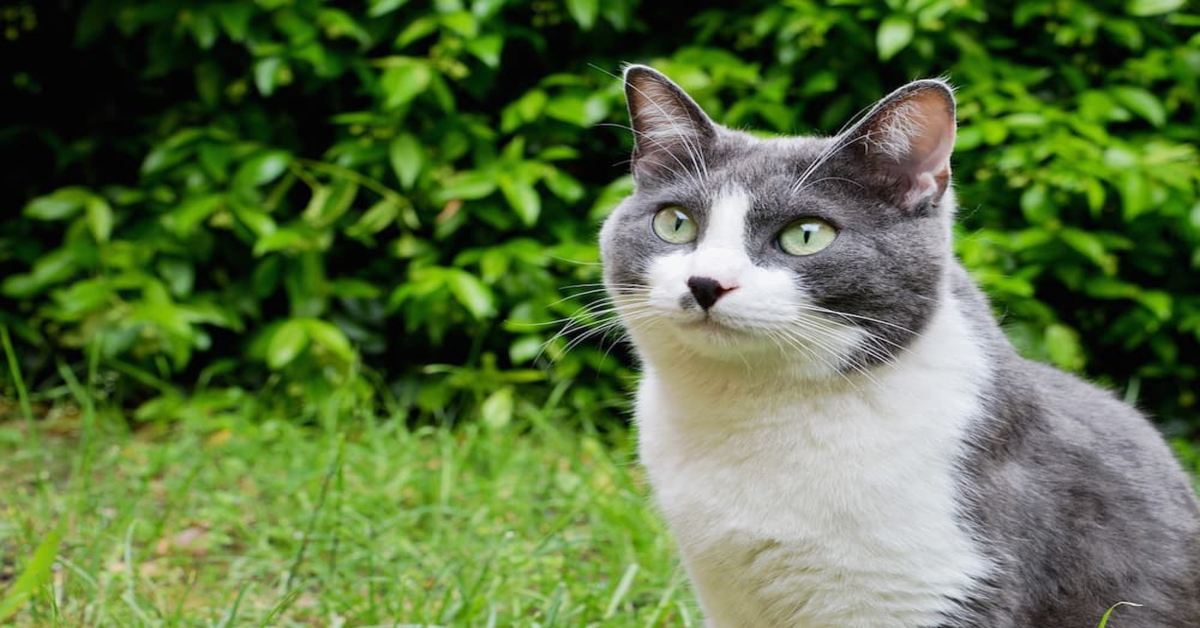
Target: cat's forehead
column 771, row 173
column 741, row 156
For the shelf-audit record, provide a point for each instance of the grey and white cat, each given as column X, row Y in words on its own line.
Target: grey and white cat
column 834, row 427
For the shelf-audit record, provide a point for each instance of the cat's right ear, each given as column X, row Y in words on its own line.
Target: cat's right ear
column 671, row 133
column 905, row 143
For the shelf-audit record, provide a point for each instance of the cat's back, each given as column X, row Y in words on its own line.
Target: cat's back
column 1083, row 505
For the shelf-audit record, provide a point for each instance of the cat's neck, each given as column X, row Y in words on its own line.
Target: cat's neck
column 948, row 355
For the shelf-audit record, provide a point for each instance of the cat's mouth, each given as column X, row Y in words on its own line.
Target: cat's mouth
column 713, row 326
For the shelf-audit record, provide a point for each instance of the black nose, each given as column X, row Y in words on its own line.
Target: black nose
column 706, row 290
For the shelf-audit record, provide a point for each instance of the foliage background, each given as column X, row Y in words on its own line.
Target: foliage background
column 276, row 203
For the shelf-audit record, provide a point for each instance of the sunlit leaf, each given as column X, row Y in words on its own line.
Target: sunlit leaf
column 523, row 198
column 330, row 337
column 472, row 293
column 99, row 218
column 403, row 81
column 407, row 156
column 1141, row 102
column 497, row 410
column 288, row 341
column 261, row 169
column 584, row 12
column 894, row 34
column 1152, row 7
column 59, row 205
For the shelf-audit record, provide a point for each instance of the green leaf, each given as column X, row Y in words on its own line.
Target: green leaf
column 417, row 29
column 171, row 152
column 1135, row 194
column 1062, row 345
column 1141, row 102
column 383, row 7
column 467, row 186
column 403, row 81
column 284, row 239
column 407, row 157
column 1158, row 302
column 578, row 110
column 525, row 348
column 894, row 34
column 523, row 198
column 472, row 293
column 204, row 29
column 37, row 572
column 288, row 341
column 50, row 269
column 99, row 218
column 261, row 169
column 497, row 410
column 463, row 23
column 330, row 337
column 58, row 205
column 1091, row 247
column 487, row 49
column 235, row 19
column 330, row 202
column 584, row 12
column 1036, row 205
column 266, row 74
column 179, row 275
column 564, row 186
column 338, row 24
column 375, row 219
column 258, row 222
column 1144, row 8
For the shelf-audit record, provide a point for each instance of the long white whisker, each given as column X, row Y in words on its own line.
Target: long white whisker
column 824, row 310
column 827, row 346
column 831, row 330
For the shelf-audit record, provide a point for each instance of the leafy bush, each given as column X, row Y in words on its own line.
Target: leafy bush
column 300, row 197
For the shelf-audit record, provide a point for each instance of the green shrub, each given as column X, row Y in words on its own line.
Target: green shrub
column 298, row 197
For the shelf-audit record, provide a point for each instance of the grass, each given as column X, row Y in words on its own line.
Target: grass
column 206, row 522
column 225, row 515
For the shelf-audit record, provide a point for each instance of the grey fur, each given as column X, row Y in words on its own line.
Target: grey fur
column 1073, row 494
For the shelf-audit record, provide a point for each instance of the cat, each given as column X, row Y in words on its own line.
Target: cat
column 834, row 428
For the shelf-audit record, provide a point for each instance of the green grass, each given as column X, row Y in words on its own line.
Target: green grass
column 248, row 523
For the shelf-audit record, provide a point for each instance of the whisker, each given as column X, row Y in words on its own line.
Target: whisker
column 817, row 308
column 809, row 185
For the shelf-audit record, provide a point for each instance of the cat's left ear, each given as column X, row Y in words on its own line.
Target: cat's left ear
column 671, row 132
column 906, row 141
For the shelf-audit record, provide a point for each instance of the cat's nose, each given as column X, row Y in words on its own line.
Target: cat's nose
column 707, row 290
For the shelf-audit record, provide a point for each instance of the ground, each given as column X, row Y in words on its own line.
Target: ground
column 212, row 522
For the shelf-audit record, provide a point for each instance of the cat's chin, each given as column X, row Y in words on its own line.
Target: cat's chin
column 710, row 343
column 712, row 338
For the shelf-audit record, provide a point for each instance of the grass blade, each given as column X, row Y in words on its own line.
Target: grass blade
column 1109, row 612
column 36, row 573
column 14, row 368
column 622, row 589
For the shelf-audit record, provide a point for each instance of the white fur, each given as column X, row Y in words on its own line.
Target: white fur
column 798, row 498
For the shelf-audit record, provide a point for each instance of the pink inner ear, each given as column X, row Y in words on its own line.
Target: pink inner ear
column 930, row 130
column 921, row 130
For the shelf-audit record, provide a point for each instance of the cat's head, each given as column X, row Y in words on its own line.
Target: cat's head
column 820, row 255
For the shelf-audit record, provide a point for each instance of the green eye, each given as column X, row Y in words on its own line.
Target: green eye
column 674, row 225
column 807, row 236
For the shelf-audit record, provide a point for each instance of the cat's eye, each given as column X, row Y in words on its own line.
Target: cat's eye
column 674, row 225
column 806, row 236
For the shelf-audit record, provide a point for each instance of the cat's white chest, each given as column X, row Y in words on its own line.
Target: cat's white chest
column 816, row 512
